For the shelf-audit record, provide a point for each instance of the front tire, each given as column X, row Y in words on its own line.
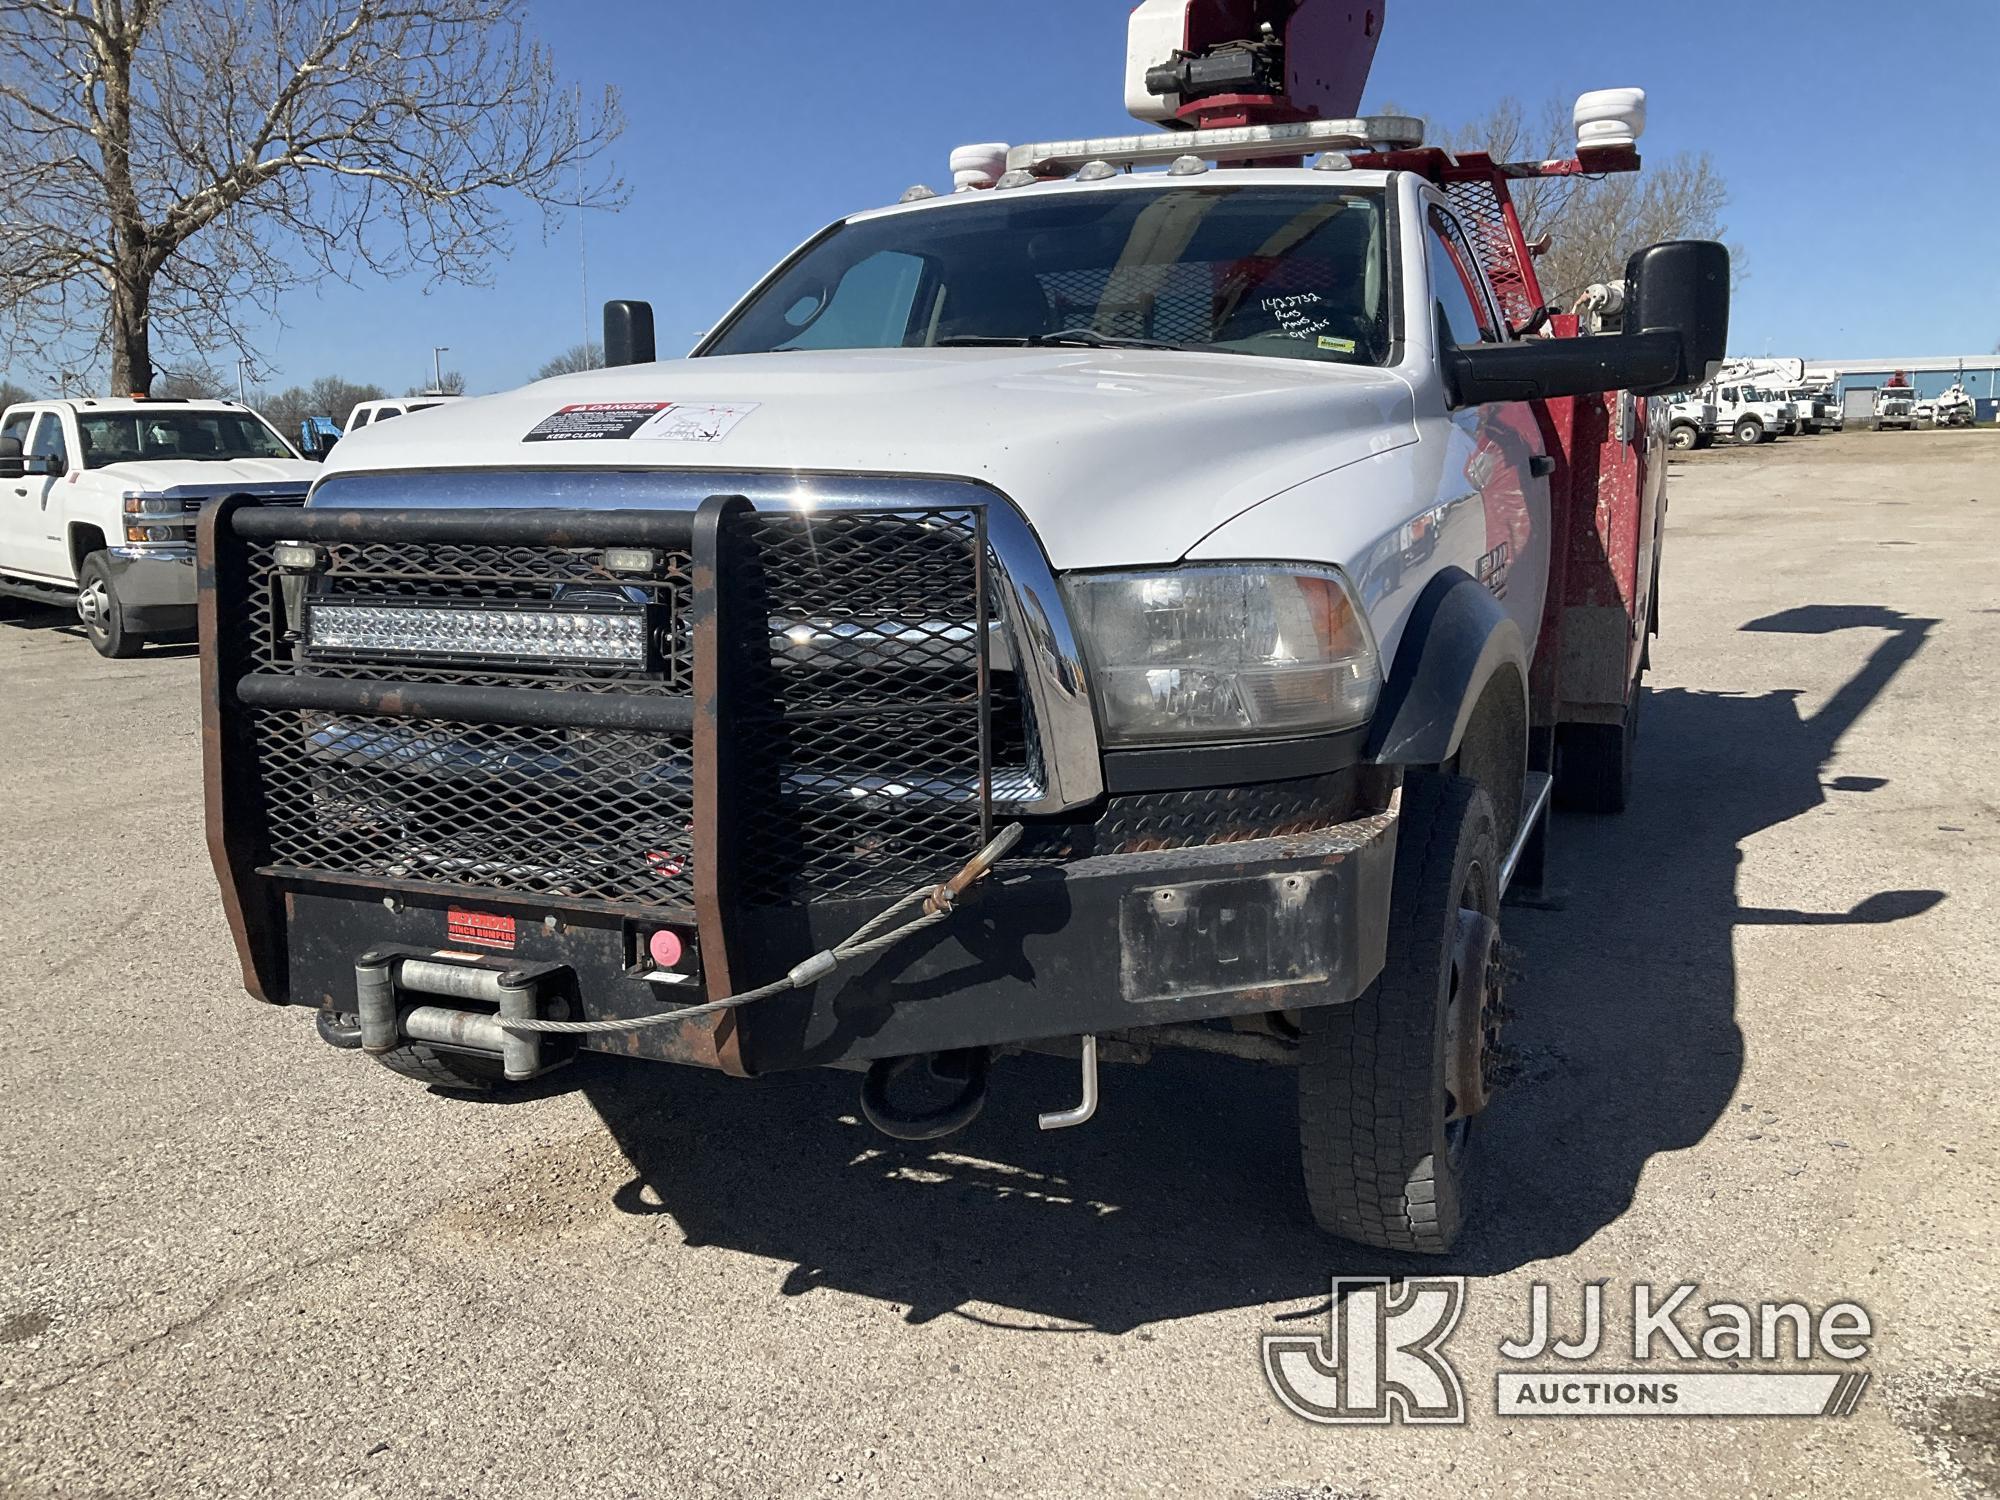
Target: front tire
column 1749, row 432
column 445, row 1070
column 1384, row 1163
column 102, row 615
column 1684, row 436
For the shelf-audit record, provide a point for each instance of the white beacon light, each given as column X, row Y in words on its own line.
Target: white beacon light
column 1610, row 118
column 978, row 166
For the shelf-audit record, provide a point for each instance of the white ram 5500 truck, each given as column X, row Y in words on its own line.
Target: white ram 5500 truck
column 1093, row 612
column 98, row 499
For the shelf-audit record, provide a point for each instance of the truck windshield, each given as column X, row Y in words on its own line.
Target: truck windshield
column 123, row 437
column 1298, row 273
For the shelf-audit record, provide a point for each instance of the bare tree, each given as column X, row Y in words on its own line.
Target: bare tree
column 12, row 394
column 577, row 357
column 1594, row 224
column 194, row 380
column 451, row 383
column 171, row 164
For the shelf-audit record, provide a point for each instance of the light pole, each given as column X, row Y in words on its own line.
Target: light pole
column 240, row 397
column 438, row 352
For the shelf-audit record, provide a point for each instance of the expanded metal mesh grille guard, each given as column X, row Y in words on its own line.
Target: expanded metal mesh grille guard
column 815, row 718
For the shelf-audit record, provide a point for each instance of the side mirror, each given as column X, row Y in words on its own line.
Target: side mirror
column 628, row 334
column 1681, row 287
column 1676, row 328
column 11, row 466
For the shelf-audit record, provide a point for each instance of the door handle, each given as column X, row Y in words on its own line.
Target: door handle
column 1541, row 466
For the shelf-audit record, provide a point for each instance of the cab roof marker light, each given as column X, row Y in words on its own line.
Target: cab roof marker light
column 1229, row 143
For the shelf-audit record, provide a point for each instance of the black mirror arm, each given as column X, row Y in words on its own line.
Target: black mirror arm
column 1546, row 368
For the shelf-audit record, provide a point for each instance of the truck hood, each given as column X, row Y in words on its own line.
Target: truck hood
column 1116, row 456
column 212, row 474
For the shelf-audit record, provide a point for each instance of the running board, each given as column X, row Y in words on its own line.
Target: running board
column 1534, row 825
column 57, row 595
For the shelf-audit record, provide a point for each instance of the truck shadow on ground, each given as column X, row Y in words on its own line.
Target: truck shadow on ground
column 61, row 620
column 1182, row 1196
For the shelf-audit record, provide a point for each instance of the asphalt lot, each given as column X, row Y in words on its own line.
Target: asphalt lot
column 1758, row 1055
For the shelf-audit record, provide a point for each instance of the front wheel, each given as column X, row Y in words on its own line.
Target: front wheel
column 102, row 615
column 1684, row 436
column 1384, row 1137
column 1749, row 432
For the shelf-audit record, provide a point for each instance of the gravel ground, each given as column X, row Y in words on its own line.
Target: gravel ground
column 1757, row 1054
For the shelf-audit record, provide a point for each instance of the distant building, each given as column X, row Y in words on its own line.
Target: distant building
column 1930, row 374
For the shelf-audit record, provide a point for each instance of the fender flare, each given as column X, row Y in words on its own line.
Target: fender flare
column 1457, row 641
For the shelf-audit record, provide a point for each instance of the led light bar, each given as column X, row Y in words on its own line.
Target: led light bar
column 1227, row 143
column 613, row 637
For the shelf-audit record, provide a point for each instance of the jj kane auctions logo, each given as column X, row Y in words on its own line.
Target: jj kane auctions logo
column 1382, row 1357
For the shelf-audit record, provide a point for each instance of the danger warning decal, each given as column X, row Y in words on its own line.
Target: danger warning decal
column 592, row 421
column 640, row 421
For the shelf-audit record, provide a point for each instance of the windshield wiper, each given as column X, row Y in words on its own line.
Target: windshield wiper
column 1071, row 338
column 1090, row 338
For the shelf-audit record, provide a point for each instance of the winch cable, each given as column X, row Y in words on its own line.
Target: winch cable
column 877, row 933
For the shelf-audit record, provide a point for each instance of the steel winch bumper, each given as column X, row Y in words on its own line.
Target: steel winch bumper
column 324, row 863
column 1095, row 946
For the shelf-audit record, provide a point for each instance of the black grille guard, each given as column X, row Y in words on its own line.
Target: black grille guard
column 738, row 770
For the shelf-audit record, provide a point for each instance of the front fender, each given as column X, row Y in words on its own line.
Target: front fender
column 1457, row 642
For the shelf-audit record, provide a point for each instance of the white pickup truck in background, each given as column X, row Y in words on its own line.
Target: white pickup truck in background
column 98, row 499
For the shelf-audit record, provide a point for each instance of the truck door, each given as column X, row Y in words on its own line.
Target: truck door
column 1500, row 442
column 14, row 507
column 34, row 537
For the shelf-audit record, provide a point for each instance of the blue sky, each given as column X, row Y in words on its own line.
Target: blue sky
column 1860, row 142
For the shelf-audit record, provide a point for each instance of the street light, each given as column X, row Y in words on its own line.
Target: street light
column 240, row 397
column 438, row 352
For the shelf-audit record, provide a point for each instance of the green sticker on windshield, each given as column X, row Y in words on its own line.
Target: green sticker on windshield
column 1338, row 346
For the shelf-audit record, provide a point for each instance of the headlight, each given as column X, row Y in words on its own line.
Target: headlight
column 134, row 532
column 139, row 503
column 1219, row 653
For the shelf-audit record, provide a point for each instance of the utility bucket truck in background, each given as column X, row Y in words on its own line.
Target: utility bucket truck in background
column 1693, row 419
column 1144, row 599
column 1951, row 408
column 1752, row 401
column 1895, row 405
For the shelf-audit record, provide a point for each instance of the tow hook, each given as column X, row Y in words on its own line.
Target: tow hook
column 968, row 1067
